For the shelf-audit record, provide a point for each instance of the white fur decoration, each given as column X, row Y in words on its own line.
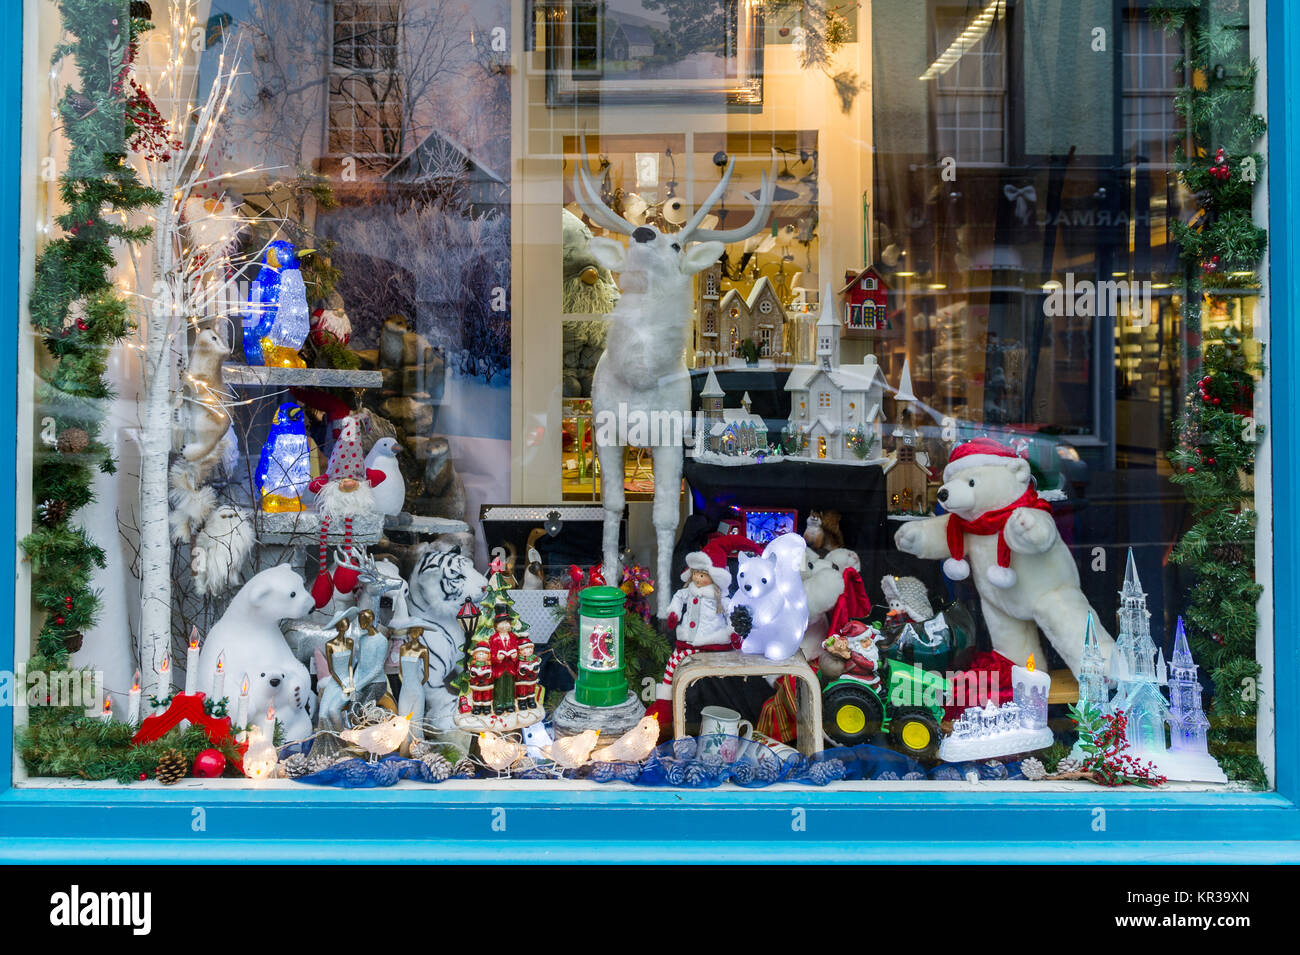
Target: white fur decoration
column 221, row 550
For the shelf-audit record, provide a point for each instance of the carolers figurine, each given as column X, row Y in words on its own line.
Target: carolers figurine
column 502, row 672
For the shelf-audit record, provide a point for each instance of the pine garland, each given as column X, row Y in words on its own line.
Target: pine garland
column 78, row 313
column 1216, row 436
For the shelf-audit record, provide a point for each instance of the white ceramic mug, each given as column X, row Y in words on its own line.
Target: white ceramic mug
column 717, row 723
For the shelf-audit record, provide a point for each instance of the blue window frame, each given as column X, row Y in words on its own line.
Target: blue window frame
column 1017, row 825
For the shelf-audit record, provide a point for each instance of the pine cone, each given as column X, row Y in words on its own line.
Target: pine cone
column 464, row 767
column 437, row 765
column 72, row 642
column 420, row 748
column 73, row 440
column 53, row 512
column 172, row 767
column 317, row 764
column 1031, row 768
column 1068, row 765
column 295, row 765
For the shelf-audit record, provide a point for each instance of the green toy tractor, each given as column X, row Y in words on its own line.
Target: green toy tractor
column 909, row 709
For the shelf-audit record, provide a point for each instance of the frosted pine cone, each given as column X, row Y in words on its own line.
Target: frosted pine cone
column 743, row 774
column 318, row 764
column 464, row 767
column 1068, row 765
column 436, row 764
column 296, row 765
column 420, row 748
column 1032, row 769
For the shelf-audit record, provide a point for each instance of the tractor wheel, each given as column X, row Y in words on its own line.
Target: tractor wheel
column 851, row 714
column 915, row 731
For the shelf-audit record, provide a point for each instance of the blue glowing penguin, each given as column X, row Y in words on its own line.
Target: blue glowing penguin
column 284, row 469
column 278, row 319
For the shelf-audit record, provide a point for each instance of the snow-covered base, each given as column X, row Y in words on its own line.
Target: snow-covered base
column 499, row 722
column 986, row 747
column 851, row 461
column 734, row 460
column 1188, row 767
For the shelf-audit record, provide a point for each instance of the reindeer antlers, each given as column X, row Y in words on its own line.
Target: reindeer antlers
column 691, row 232
column 587, row 191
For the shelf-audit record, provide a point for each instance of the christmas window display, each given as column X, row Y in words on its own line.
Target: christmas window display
column 935, row 400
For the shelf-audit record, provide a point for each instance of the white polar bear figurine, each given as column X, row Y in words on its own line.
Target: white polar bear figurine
column 771, row 587
column 998, row 530
column 248, row 634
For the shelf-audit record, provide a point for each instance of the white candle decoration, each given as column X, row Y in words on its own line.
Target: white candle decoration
column 219, row 680
column 241, row 708
column 192, row 663
column 133, row 701
column 1030, row 689
column 268, row 725
column 107, row 713
column 165, row 677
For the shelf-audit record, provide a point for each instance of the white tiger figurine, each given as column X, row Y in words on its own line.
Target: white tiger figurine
column 443, row 578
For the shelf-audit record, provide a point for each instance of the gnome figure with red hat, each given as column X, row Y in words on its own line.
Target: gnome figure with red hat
column 343, row 493
column 998, row 532
column 699, row 616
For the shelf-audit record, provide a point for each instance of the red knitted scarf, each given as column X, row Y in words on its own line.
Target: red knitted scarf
column 990, row 522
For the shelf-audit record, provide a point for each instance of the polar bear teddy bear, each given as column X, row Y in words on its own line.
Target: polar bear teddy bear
column 770, row 590
column 999, row 530
column 248, row 641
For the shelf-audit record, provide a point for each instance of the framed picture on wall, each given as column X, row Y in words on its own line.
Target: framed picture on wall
column 645, row 51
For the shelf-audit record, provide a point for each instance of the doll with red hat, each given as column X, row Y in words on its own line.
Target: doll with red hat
column 699, row 617
column 343, row 493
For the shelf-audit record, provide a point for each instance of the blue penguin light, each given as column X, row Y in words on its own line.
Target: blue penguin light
column 284, row 469
column 278, row 319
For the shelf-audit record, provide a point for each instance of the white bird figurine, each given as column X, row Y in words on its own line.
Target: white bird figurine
column 381, row 738
column 571, row 752
column 390, row 494
column 499, row 752
column 636, row 744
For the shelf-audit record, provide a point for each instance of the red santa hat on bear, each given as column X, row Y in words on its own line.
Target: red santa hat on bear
column 981, row 453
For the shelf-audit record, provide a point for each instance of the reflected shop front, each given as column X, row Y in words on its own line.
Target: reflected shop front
column 618, row 408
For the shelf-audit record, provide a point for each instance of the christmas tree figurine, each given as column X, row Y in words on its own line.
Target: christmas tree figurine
column 498, row 677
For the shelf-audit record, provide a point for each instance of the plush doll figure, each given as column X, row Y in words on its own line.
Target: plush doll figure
column 698, row 617
column 1001, row 534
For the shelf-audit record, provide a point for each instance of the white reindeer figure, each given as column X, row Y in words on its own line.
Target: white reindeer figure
column 641, row 390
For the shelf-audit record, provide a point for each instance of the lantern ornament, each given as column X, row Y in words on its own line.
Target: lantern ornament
column 468, row 617
column 602, row 676
column 601, row 699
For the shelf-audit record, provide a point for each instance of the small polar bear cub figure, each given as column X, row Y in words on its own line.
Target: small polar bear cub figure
column 770, row 588
column 1001, row 534
column 248, row 640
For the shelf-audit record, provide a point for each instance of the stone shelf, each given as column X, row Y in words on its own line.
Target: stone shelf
column 260, row 376
column 303, row 527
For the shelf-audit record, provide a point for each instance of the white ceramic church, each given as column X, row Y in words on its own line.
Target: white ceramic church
column 829, row 401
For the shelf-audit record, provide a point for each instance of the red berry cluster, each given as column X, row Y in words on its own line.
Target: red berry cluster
column 1112, row 764
column 1210, row 265
column 1220, row 169
column 151, row 139
column 1202, row 388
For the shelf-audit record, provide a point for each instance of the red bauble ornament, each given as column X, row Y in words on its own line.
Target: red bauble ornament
column 143, row 777
column 1191, row 470
column 209, row 764
column 59, row 620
